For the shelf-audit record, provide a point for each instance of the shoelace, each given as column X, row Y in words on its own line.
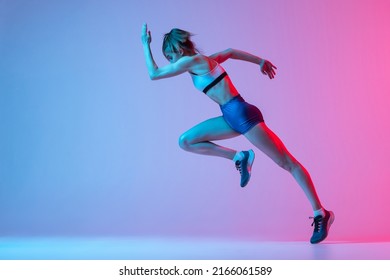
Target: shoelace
column 317, row 223
column 238, row 166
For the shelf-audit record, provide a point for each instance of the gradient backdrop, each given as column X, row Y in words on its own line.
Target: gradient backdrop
column 88, row 143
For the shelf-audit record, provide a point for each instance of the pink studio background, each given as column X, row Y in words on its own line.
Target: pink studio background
column 89, row 144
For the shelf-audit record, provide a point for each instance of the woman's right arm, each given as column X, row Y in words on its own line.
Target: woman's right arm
column 170, row 70
column 267, row 68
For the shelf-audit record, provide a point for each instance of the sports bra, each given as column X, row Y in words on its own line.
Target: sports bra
column 206, row 81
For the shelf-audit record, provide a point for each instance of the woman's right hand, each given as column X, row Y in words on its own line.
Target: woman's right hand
column 146, row 37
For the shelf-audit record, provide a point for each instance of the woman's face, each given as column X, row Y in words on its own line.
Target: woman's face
column 172, row 56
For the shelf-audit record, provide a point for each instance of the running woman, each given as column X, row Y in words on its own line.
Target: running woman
column 238, row 116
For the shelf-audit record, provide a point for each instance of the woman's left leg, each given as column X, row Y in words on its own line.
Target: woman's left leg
column 199, row 138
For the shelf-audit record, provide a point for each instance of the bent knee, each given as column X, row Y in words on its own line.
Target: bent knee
column 185, row 141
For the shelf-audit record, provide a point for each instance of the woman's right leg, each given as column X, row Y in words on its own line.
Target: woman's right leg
column 270, row 144
column 198, row 139
column 267, row 141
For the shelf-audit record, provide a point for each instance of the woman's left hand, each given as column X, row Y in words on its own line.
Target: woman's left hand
column 267, row 68
column 146, row 37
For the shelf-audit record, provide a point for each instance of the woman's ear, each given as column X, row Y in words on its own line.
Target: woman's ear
column 181, row 51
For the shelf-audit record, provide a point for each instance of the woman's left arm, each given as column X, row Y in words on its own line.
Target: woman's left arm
column 266, row 67
column 170, row 70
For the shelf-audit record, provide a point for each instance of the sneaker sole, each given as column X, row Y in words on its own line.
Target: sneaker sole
column 251, row 159
column 331, row 220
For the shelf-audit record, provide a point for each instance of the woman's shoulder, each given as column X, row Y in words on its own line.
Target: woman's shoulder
column 192, row 60
column 201, row 58
column 195, row 59
column 202, row 63
column 206, row 58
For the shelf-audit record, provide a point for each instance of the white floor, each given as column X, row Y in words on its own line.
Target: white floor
column 184, row 249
